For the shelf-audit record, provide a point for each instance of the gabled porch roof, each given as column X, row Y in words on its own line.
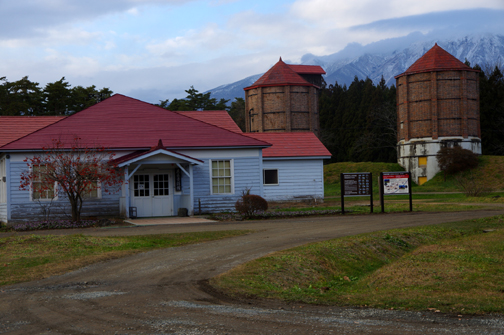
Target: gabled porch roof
column 159, row 149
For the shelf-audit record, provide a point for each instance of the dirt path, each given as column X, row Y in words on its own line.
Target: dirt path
column 160, row 292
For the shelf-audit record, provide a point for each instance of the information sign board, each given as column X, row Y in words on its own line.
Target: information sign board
column 395, row 183
column 356, row 184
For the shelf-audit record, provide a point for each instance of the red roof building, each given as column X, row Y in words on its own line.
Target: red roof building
column 436, row 59
column 15, row 127
column 292, row 145
column 172, row 162
column 280, row 74
column 437, row 107
column 120, row 122
column 284, row 99
column 217, row 118
column 307, row 69
column 302, row 144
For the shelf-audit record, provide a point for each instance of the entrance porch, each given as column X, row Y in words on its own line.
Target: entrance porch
column 158, row 183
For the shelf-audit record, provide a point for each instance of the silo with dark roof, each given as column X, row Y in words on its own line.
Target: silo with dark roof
column 437, row 106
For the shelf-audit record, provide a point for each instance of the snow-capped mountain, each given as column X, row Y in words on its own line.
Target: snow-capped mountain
column 388, row 58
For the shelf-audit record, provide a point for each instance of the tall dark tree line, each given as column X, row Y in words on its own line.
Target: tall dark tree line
column 492, row 110
column 358, row 122
column 26, row 98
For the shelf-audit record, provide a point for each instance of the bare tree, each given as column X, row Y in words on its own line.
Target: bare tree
column 75, row 171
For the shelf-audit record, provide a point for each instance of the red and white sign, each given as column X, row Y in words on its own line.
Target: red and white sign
column 395, row 183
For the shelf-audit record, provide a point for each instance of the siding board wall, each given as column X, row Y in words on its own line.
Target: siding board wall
column 247, row 175
column 297, row 179
column 3, row 212
column 24, row 209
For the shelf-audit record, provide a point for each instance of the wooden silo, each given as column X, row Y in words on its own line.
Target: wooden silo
column 437, row 106
column 284, row 99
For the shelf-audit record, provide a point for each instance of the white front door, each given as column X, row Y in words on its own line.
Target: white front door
column 162, row 199
column 152, row 194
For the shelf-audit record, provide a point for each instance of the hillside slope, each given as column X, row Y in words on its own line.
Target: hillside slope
column 489, row 173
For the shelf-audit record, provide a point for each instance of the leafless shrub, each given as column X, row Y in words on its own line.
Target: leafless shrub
column 452, row 160
column 471, row 186
column 250, row 204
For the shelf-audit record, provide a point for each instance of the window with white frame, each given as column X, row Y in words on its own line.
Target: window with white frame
column 270, row 176
column 41, row 188
column 93, row 190
column 3, row 182
column 222, row 176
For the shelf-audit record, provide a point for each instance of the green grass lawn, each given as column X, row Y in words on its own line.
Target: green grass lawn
column 32, row 257
column 490, row 173
column 452, row 267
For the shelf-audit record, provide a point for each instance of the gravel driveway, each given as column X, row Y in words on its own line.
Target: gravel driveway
column 164, row 291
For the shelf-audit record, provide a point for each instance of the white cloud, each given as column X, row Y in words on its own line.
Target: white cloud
column 71, row 65
column 133, row 11
column 21, row 19
column 53, row 37
column 344, row 13
column 211, row 40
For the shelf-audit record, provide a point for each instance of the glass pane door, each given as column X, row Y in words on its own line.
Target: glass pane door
column 161, row 185
column 141, row 185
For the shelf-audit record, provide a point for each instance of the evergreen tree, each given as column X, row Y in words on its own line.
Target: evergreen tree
column 57, row 98
column 194, row 101
column 359, row 123
column 237, row 112
column 492, row 111
column 25, row 98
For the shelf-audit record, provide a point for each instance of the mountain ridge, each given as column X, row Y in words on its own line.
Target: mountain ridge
column 388, row 58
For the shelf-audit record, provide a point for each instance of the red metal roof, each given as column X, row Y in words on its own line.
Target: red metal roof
column 15, row 127
column 307, row 69
column 299, row 144
column 436, row 59
column 217, row 118
column 279, row 75
column 120, row 122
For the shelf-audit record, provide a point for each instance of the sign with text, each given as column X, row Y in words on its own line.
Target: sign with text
column 395, row 183
column 356, row 184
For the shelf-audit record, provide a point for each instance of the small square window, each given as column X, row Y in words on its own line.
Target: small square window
column 422, row 161
column 270, row 177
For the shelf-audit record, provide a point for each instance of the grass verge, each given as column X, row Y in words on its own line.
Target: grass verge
column 32, row 257
column 452, row 267
column 389, row 208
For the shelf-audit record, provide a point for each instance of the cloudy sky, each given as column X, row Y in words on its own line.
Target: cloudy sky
column 155, row 49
